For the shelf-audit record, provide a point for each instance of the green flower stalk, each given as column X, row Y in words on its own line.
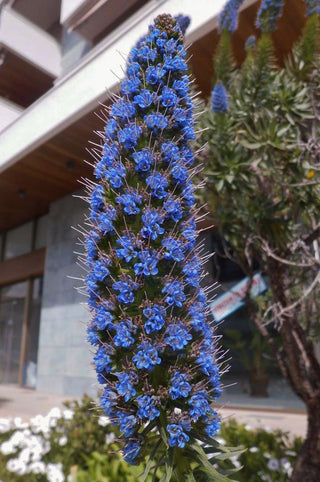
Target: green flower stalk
column 156, row 356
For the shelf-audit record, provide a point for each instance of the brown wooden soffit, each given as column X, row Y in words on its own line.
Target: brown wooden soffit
column 23, row 267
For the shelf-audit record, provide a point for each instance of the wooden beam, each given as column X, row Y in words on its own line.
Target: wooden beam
column 26, row 266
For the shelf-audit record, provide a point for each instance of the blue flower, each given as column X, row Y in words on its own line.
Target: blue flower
column 144, row 160
column 219, row 101
column 130, row 201
column 168, row 97
column 152, row 221
column 108, row 401
column 154, row 74
column 131, row 451
column 92, row 335
column 175, row 293
column 181, row 86
column 174, row 63
column 147, row 265
column 125, row 384
column 102, row 360
column 147, row 407
column 115, row 174
column 183, row 21
column 155, row 348
column 170, row 151
column 173, row 209
column 178, row 336
column 144, row 99
column 268, row 15
column 123, row 109
column 177, row 437
column 250, row 43
column 125, row 289
column 156, row 122
column 129, row 136
column 313, row 6
column 130, row 86
column 200, row 406
column 124, row 334
column 228, row 18
column 127, row 423
column 187, row 196
column 128, row 248
column 173, row 249
column 147, row 356
column 157, row 182
column 180, row 173
column 212, row 425
column 180, row 387
column 103, row 318
column 155, row 318
column 192, row 270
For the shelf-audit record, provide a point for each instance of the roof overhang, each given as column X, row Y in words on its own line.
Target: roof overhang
column 29, row 42
column 48, row 159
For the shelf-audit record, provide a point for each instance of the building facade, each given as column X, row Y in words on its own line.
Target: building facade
column 58, row 60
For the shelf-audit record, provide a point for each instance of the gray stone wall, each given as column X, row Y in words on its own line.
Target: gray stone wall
column 64, row 358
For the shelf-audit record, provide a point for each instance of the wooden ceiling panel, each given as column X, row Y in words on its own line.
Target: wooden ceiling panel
column 21, row 82
column 28, row 187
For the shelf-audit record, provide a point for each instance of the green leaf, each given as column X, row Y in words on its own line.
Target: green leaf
column 206, row 466
column 150, row 461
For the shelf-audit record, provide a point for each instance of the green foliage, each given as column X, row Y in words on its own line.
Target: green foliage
column 270, row 455
column 261, row 165
column 91, row 453
column 80, row 445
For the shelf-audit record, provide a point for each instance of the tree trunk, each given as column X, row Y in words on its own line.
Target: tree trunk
column 307, row 468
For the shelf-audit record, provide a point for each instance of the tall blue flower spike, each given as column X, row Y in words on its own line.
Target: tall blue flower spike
column 228, row 17
column 268, row 15
column 155, row 351
column 219, row 100
column 250, row 43
column 183, row 22
column 313, row 6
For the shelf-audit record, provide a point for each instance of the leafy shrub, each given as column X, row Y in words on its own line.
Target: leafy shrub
column 77, row 444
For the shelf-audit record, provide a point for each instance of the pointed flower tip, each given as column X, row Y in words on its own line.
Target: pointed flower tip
column 250, row 43
column 228, row 18
column 219, row 101
column 313, row 6
column 268, row 15
column 155, row 349
column 183, row 22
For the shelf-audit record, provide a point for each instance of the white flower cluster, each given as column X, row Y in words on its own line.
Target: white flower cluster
column 30, row 442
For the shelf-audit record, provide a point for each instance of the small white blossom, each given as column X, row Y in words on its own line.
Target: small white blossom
column 5, row 425
column 18, row 423
column 37, row 468
column 68, row 414
column 17, row 466
column 103, row 421
column 7, row 448
column 110, row 437
column 54, row 473
column 273, row 464
column 55, row 412
column 253, row 449
column 63, row 440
